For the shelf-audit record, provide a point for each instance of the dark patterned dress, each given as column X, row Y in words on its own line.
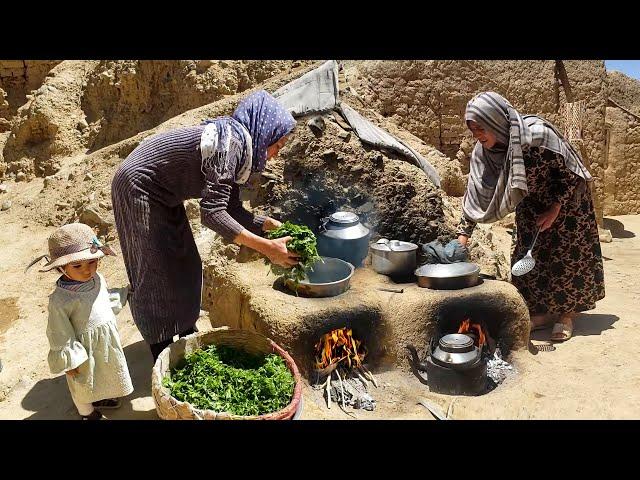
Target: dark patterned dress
column 568, row 276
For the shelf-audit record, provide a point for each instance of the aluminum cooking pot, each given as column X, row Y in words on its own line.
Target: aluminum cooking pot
column 450, row 276
column 393, row 257
column 343, row 236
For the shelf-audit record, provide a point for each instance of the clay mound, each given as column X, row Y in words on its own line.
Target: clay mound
column 84, row 105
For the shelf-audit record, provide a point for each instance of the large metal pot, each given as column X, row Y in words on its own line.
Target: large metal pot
column 451, row 276
column 393, row 257
column 343, row 236
column 328, row 278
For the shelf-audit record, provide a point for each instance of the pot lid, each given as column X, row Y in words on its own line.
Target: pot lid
column 394, row 245
column 344, row 218
column 456, row 343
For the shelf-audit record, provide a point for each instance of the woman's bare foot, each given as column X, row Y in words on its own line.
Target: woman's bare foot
column 540, row 321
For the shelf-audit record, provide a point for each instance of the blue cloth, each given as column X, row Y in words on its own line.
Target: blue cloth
column 452, row 252
column 267, row 121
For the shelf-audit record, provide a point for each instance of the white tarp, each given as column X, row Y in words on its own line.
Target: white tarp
column 317, row 91
column 373, row 135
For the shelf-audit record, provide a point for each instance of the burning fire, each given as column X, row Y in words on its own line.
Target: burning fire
column 339, row 345
column 467, row 327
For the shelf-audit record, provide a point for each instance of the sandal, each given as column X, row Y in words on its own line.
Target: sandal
column 95, row 415
column 561, row 332
column 107, row 403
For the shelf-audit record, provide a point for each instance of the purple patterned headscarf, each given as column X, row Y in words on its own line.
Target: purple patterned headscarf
column 267, row 121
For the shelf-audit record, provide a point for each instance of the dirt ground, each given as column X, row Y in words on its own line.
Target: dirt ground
column 595, row 375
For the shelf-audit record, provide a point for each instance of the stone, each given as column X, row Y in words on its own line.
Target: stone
column 88, row 176
column 316, row 125
column 6, row 205
column 366, row 207
column 346, row 136
column 105, row 205
column 328, row 154
column 3, row 188
column 82, row 124
column 94, row 218
column 21, row 177
column 49, row 180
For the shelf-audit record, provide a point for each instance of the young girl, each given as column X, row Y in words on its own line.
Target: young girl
column 83, row 337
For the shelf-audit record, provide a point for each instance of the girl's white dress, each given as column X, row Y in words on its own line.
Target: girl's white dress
column 82, row 333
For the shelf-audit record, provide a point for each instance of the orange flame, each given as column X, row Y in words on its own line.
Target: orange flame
column 466, row 326
column 339, row 345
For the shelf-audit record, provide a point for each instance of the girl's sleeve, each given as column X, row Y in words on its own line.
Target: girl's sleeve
column 65, row 351
column 215, row 201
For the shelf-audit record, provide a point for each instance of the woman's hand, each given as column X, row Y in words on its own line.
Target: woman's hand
column 463, row 239
column 278, row 253
column 270, row 224
column 73, row 372
column 546, row 219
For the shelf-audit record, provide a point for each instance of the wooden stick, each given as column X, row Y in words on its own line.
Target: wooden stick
column 364, row 380
column 328, row 389
column 371, row 377
column 341, row 387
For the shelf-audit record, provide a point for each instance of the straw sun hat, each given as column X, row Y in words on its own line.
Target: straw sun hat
column 70, row 243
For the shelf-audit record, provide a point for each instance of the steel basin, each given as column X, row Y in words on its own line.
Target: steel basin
column 451, row 276
column 329, row 277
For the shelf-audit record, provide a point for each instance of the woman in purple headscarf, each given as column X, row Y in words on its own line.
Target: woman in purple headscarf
column 210, row 162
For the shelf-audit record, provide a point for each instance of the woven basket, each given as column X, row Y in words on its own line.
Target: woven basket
column 170, row 408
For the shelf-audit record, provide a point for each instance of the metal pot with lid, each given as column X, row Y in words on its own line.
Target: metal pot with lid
column 343, row 236
column 394, row 257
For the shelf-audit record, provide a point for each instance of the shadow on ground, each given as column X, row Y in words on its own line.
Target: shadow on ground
column 49, row 399
column 616, row 227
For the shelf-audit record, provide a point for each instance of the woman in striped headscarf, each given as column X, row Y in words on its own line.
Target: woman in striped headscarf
column 522, row 163
column 208, row 161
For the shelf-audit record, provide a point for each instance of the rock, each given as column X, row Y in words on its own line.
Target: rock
column 105, row 205
column 82, row 124
column 88, row 176
column 366, row 207
column 316, row 125
column 20, row 177
column 91, row 197
column 3, row 188
column 346, row 136
column 94, row 218
column 328, row 154
column 72, row 176
column 270, row 176
column 605, row 236
column 357, row 169
column 49, row 180
column 6, row 205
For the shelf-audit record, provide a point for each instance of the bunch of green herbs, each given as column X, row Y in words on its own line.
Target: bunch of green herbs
column 225, row 379
column 303, row 243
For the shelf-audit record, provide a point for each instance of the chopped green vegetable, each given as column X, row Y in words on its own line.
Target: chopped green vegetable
column 303, row 244
column 225, row 379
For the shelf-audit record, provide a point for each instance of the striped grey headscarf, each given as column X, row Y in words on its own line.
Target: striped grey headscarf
column 497, row 176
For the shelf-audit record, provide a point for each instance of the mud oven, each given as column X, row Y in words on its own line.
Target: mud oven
column 453, row 335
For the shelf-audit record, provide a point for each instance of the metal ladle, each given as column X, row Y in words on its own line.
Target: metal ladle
column 527, row 263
